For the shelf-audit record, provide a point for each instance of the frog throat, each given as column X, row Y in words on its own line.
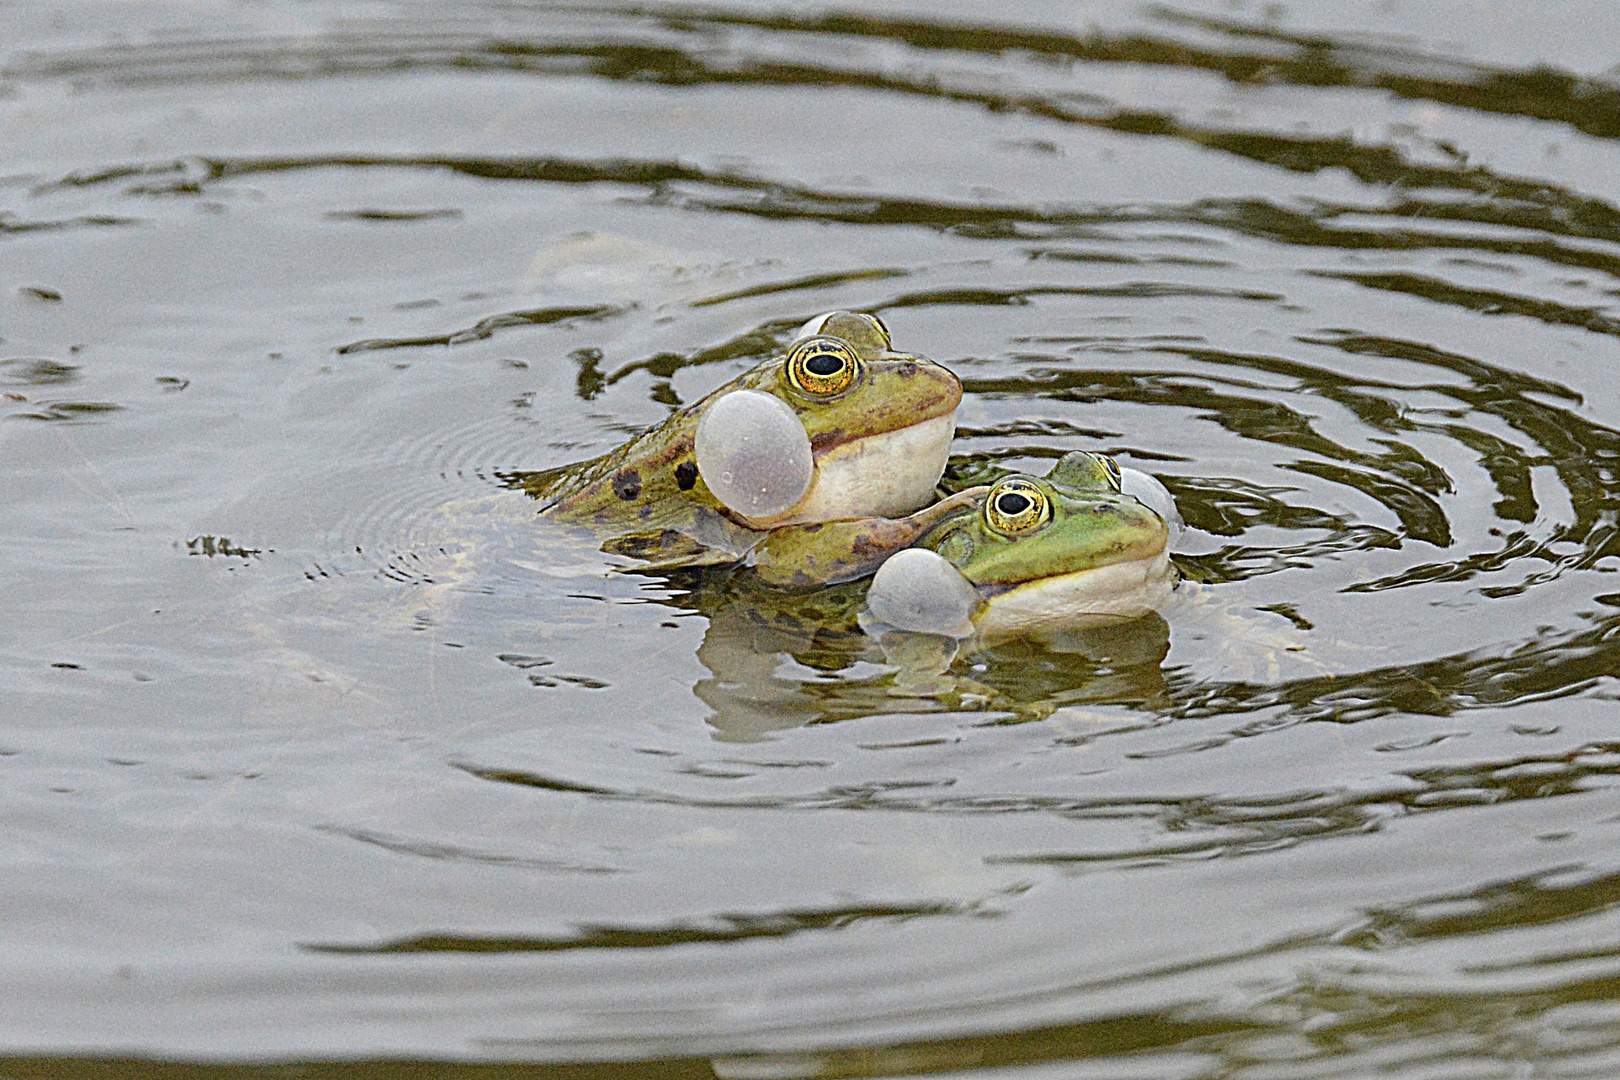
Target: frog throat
column 1098, row 596
column 889, row 473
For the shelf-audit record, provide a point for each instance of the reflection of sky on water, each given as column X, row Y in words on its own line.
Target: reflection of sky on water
column 314, row 748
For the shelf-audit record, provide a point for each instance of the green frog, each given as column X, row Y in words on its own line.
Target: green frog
column 1034, row 557
column 842, row 426
column 1026, row 553
column 1056, row 580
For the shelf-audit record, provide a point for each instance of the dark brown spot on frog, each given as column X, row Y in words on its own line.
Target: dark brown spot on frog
column 827, row 438
column 686, row 475
column 627, row 485
column 865, row 546
column 906, row 370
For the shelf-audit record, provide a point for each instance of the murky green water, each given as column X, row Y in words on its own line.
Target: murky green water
column 312, row 751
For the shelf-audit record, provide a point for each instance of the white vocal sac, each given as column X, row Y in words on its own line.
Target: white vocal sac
column 1148, row 491
column 753, row 453
column 920, row 591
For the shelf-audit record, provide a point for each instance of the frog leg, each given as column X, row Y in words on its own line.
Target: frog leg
column 665, row 549
column 829, row 552
column 697, row 537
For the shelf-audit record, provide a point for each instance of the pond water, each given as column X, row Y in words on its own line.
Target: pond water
column 314, row 751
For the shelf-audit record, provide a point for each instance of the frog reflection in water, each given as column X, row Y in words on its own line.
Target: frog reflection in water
column 1068, row 559
column 862, row 429
column 784, row 660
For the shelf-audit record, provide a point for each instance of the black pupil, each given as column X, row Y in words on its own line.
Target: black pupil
column 1012, row 504
column 824, row 364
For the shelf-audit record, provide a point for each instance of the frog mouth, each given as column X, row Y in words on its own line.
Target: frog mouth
column 1094, row 597
column 887, row 474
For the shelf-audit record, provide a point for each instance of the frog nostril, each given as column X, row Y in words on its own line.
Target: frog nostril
column 1103, row 508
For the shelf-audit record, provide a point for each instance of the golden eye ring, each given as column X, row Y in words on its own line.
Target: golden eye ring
column 822, row 366
column 1015, row 507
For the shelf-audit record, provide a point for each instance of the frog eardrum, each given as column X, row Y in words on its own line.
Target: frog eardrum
column 1154, row 495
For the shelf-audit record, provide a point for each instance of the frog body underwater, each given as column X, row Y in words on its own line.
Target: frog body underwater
column 864, row 430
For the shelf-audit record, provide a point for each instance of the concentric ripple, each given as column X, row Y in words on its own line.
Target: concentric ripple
column 392, row 773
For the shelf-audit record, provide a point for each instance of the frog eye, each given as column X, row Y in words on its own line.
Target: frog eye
column 883, row 328
column 857, row 328
column 822, row 366
column 1111, row 466
column 1016, row 506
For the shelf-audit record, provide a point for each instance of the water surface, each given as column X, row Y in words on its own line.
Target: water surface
column 315, row 750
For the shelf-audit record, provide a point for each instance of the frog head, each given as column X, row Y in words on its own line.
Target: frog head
column 1066, row 549
column 879, row 422
column 841, row 425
